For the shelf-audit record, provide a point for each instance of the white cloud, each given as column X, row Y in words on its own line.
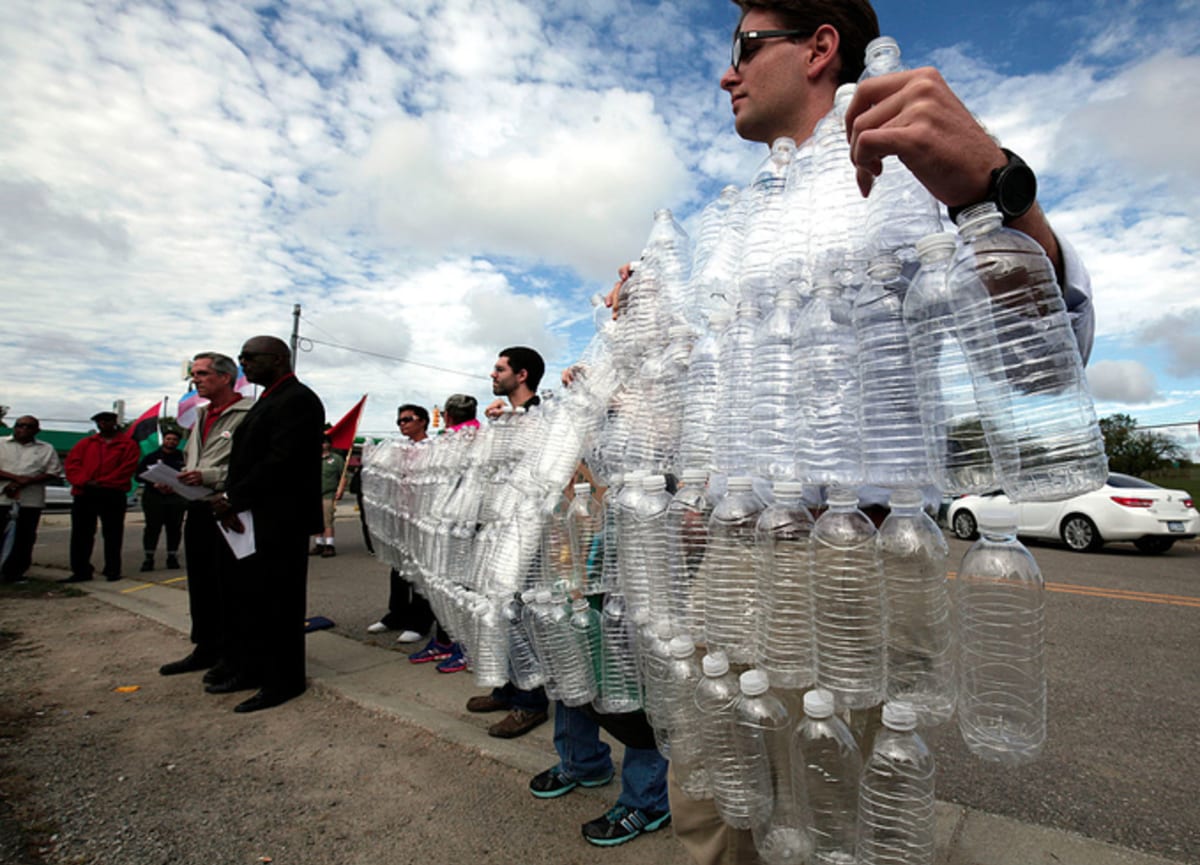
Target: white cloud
column 1122, row 381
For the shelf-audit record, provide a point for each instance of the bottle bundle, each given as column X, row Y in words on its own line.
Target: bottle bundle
column 812, row 351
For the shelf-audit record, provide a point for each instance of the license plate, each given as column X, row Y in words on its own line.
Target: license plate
column 1174, row 526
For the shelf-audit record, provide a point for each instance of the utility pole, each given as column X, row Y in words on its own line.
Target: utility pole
column 295, row 333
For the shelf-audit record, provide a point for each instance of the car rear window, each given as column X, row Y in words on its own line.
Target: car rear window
column 1129, row 482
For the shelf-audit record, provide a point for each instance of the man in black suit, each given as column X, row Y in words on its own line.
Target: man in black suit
column 274, row 473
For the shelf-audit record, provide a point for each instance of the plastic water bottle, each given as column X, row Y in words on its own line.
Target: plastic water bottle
column 654, row 656
column 827, row 763
column 683, row 675
column 900, row 210
column 848, row 603
column 756, row 276
column 838, row 210
column 585, row 522
column 618, row 688
column 895, row 798
column 563, row 652
column 920, row 643
column 585, row 633
column 786, row 648
column 700, row 409
column 1000, row 598
column 762, row 736
column 828, row 450
column 525, row 668
column 717, row 695
column 731, row 604
column 714, row 283
column 955, row 443
column 1044, row 435
column 687, row 540
column 893, row 445
column 556, row 554
column 775, row 406
column 648, row 580
column 736, row 396
column 609, row 580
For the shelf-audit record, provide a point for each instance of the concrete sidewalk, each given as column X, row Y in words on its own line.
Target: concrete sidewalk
column 380, row 679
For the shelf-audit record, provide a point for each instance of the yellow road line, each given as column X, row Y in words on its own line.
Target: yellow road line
column 1117, row 594
column 149, row 585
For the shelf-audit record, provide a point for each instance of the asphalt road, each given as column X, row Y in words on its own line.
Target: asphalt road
column 1122, row 764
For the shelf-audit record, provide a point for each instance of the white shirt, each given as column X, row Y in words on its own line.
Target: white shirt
column 32, row 458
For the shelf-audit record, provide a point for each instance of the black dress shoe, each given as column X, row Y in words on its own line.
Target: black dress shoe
column 219, row 673
column 232, row 684
column 191, row 664
column 111, row 579
column 266, row 699
column 77, row 578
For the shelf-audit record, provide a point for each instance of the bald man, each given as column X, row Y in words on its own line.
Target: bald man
column 275, row 475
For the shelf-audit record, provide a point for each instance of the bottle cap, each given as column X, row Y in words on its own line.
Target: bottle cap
column 715, row 664
column 906, row 497
column 682, row 647
column 662, row 630
column 654, row 483
column 529, row 596
column 753, row 683
column 788, row 488
column 582, row 489
column 818, row 703
column 580, row 604
column 931, row 245
column 694, row 476
column 880, row 44
column 741, row 484
column 544, row 596
column 845, row 92
column 899, row 716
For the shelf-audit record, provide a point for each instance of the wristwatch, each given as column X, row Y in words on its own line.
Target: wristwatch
column 1012, row 188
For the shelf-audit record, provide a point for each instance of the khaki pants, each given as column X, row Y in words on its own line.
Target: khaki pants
column 707, row 838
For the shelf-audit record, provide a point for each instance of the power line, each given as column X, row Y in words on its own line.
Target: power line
column 309, row 339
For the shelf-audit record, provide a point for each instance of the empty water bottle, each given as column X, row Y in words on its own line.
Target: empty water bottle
column 731, row 606
column 687, row 540
column 683, row 719
column 786, row 648
column 1040, row 421
column 896, row 817
column 778, row 810
column 618, row 688
column 848, row 603
column 717, row 695
column 1000, row 599
column 920, row 644
column 827, row 763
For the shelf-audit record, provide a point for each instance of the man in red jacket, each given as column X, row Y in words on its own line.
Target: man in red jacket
column 99, row 469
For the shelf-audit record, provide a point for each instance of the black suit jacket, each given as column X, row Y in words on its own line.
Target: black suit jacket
column 275, row 465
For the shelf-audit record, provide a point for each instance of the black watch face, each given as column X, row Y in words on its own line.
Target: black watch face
column 1016, row 190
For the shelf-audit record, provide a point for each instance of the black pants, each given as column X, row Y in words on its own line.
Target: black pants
column 107, row 506
column 162, row 511
column 20, row 557
column 209, row 562
column 268, row 602
column 408, row 609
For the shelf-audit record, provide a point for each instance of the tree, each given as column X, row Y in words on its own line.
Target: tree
column 1133, row 451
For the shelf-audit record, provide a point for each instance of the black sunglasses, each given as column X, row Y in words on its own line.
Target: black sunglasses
column 738, row 51
column 401, row 420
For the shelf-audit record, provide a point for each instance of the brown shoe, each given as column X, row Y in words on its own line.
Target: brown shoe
column 485, row 703
column 316, row 551
column 518, row 722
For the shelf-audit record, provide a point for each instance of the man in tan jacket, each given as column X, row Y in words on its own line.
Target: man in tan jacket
column 208, row 556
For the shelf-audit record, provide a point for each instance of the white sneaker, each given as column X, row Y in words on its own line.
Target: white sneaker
column 410, row 637
column 377, row 628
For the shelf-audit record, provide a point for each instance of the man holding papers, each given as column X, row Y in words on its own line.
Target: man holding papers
column 206, row 463
column 275, row 475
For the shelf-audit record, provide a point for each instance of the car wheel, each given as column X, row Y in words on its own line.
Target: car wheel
column 1154, row 546
column 964, row 525
column 1080, row 534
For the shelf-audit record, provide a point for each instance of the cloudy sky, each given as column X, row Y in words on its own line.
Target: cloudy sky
column 432, row 180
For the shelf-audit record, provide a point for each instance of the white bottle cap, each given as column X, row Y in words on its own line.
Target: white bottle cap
column 544, row 596
column 694, row 476
column 682, row 647
column 654, row 483
column 741, row 484
column 753, row 683
column 788, row 488
column 715, row 664
column 818, row 703
column 582, row 489
column 899, row 716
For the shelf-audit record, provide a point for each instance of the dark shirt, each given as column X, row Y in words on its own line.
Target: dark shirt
column 174, row 459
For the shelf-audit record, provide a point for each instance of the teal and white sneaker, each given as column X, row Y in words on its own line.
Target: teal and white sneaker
column 623, row 824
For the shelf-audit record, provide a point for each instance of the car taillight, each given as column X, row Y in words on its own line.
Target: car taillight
column 1133, row 503
column 1187, row 503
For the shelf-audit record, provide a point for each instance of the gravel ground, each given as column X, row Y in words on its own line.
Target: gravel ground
column 167, row 774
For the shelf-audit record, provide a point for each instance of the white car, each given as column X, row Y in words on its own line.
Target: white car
column 1124, row 509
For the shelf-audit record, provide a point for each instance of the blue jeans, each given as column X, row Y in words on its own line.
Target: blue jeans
column 583, row 756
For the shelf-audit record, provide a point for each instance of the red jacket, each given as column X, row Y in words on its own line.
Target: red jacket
column 107, row 463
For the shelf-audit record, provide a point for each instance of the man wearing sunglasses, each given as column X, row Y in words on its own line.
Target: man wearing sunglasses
column 788, row 58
